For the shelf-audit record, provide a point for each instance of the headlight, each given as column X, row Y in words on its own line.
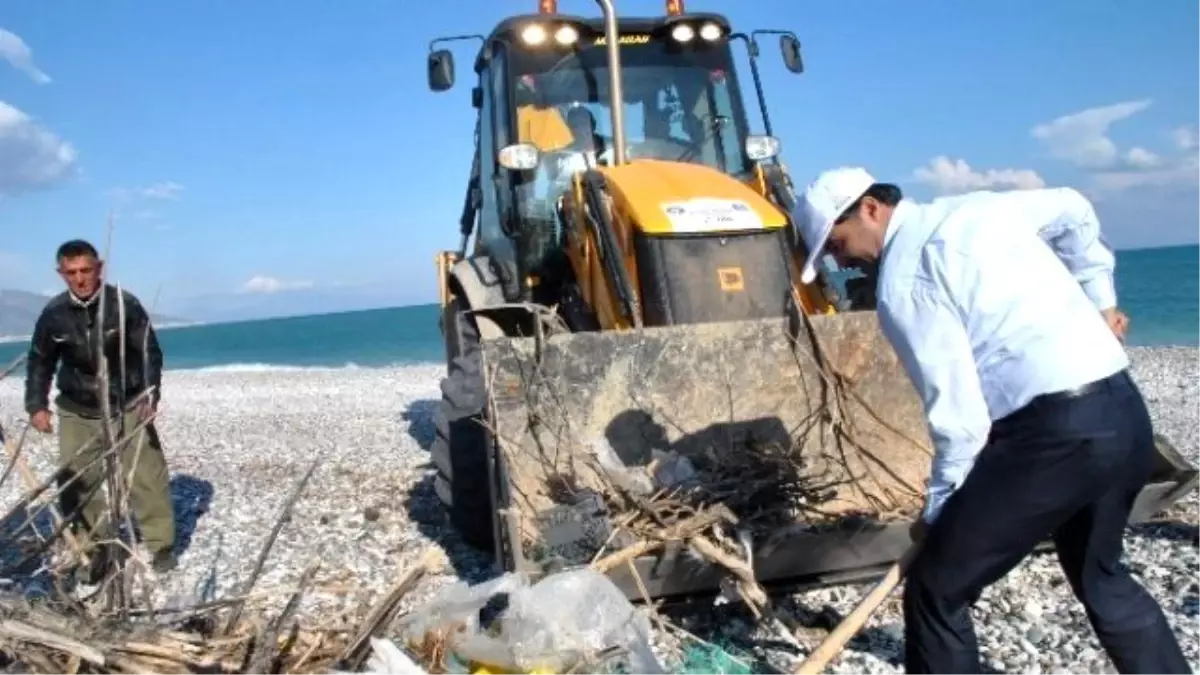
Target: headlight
column 710, row 31
column 759, row 148
column 534, row 34
column 519, row 157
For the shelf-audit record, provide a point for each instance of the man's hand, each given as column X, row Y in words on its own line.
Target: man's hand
column 917, row 531
column 1117, row 321
column 40, row 420
column 145, row 409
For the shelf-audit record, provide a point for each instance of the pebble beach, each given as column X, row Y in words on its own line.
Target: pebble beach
column 238, row 441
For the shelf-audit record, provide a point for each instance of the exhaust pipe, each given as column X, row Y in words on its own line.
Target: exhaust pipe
column 614, row 79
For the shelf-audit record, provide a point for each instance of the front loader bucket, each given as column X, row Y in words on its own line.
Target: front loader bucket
column 804, row 435
column 793, row 450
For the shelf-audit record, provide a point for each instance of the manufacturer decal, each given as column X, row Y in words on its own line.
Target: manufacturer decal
column 706, row 214
column 629, row 39
column 731, row 279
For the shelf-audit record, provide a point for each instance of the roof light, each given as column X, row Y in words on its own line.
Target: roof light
column 674, row 7
column 710, row 31
column 683, row 32
column 566, row 35
column 547, row 6
column 533, row 34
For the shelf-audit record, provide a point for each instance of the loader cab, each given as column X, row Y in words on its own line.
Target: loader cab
column 545, row 111
column 679, row 99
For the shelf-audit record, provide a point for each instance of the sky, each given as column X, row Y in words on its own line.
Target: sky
column 292, row 147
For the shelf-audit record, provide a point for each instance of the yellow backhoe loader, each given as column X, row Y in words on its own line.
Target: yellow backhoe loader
column 631, row 356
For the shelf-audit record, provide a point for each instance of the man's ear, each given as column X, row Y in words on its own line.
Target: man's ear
column 870, row 208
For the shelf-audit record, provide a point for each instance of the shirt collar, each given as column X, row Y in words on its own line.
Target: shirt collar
column 80, row 302
column 904, row 211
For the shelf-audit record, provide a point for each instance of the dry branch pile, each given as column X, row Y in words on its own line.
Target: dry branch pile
column 69, row 633
column 117, row 629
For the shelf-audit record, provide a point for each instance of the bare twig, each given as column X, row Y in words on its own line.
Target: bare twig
column 76, row 476
column 23, row 632
column 13, row 365
column 265, row 652
column 116, row 595
column 13, row 450
column 384, row 612
column 284, row 515
column 35, row 489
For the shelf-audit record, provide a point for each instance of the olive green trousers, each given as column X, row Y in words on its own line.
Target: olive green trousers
column 80, row 441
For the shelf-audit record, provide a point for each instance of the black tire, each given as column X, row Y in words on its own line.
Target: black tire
column 459, row 449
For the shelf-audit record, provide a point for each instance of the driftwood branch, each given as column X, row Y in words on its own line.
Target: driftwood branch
column 285, row 514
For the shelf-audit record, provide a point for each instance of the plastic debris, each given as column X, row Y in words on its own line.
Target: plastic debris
column 712, row 659
column 388, row 659
column 569, row 620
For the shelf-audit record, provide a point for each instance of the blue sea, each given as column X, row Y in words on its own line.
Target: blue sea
column 1158, row 288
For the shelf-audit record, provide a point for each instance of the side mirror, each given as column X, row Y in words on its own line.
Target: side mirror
column 790, row 47
column 441, row 70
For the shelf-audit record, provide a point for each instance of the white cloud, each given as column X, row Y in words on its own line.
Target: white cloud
column 1142, row 158
column 1082, row 138
column 1178, row 172
column 162, row 190
column 1184, row 138
column 954, row 176
column 166, row 190
column 262, row 283
column 18, row 54
column 31, row 157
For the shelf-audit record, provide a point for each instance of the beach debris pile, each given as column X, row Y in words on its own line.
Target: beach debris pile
column 52, row 621
column 574, row 620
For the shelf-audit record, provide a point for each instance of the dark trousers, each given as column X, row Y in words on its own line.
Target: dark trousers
column 1064, row 467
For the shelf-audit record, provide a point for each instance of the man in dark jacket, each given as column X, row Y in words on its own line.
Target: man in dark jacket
column 67, row 337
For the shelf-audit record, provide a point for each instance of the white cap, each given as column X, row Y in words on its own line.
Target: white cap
column 824, row 201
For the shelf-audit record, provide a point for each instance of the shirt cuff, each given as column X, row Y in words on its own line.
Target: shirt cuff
column 1101, row 292
column 933, row 507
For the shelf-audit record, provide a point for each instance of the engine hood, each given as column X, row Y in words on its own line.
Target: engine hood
column 666, row 198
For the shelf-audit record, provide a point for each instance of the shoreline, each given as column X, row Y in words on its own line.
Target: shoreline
column 279, row 367
column 236, row 441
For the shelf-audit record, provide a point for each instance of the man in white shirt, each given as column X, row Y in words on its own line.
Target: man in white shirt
column 1002, row 308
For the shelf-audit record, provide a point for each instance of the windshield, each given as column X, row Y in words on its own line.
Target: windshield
column 679, row 104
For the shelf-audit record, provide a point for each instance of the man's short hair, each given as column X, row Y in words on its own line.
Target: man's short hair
column 886, row 193
column 74, row 249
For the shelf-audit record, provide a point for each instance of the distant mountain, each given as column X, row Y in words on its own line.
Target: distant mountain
column 19, row 311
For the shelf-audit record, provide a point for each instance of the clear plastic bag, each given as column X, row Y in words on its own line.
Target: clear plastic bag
column 575, row 616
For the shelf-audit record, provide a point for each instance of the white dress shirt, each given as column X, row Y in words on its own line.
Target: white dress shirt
column 989, row 300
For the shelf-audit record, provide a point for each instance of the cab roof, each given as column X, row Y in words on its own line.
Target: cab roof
column 508, row 28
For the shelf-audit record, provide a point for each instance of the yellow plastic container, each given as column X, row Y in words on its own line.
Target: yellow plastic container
column 485, row 669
